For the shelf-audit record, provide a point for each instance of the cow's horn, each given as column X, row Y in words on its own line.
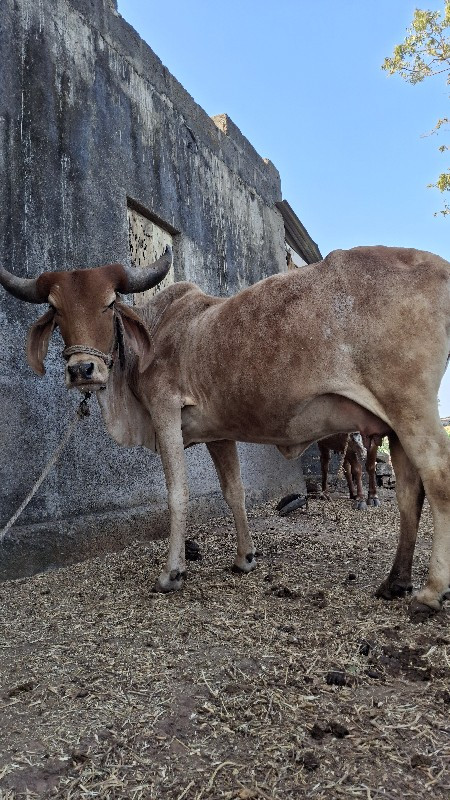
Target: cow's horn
column 23, row 288
column 143, row 278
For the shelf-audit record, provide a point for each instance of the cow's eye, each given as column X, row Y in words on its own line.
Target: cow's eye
column 53, row 308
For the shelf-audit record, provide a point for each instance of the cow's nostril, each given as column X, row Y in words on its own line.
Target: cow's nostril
column 87, row 369
column 83, row 369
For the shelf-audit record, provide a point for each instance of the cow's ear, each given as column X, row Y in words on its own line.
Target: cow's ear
column 38, row 339
column 137, row 335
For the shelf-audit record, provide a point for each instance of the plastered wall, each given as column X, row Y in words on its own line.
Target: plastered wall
column 91, row 121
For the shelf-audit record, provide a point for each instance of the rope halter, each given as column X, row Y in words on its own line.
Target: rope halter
column 90, row 351
column 108, row 358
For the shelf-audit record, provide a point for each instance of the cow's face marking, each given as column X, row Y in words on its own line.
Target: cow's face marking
column 82, row 306
column 83, row 303
column 93, row 322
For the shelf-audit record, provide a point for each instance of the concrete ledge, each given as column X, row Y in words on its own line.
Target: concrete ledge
column 30, row 549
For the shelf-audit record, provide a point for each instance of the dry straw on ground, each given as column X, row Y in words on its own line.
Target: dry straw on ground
column 292, row 682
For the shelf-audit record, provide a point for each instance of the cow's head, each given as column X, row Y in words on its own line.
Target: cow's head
column 83, row 304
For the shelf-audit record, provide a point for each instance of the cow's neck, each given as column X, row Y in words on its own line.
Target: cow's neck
column 125, row 418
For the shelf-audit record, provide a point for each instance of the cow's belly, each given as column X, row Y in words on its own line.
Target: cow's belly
column 292, row 430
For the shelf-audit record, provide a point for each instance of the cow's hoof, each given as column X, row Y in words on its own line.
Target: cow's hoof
column 360, row 505
column 390, row 589
column 244, row 564
column 325, row 496
column 169, row 581
column 192, row 550
column 421, row 612
column 374, row 502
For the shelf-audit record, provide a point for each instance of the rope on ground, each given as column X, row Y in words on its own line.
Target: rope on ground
column 81, row 412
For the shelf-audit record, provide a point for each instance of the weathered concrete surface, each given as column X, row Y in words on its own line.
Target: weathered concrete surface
column 66, row 539
column 89, row 117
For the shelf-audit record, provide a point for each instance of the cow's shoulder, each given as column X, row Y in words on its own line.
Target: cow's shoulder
column 181, row 298
column 177, row 290
column 181, row 291
column 175, row 307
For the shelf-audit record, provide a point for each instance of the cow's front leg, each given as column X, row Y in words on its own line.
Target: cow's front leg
column 171, row 450
column 226, row 461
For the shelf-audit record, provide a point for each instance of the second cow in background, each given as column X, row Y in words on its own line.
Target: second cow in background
column 352, row 466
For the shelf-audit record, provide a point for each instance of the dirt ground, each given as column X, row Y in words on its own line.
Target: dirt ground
column 291, row 682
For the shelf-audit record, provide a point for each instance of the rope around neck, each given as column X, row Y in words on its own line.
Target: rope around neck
column 81, row 412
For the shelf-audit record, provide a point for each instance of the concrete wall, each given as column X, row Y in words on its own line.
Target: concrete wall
column 90, row 117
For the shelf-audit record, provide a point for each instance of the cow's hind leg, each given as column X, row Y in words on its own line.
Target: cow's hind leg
column 324, row 467
column 356, row 476
column 226, row 461
column 423, row 438
column 427, row 447
column 347, row 470
column 410, row 497
column 371, row 467
column 433, row 462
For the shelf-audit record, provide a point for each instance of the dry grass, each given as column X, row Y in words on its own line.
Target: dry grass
column 290, row 682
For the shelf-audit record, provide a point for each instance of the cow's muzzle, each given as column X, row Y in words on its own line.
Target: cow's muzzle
column 87, row 368
column 86, row 375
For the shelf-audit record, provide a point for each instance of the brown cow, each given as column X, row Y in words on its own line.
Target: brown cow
column 248, row 368
column 355, row 454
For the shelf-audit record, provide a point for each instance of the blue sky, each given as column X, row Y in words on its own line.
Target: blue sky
column 302, row 79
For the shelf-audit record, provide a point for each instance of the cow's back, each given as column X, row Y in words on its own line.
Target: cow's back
column 349, row 325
